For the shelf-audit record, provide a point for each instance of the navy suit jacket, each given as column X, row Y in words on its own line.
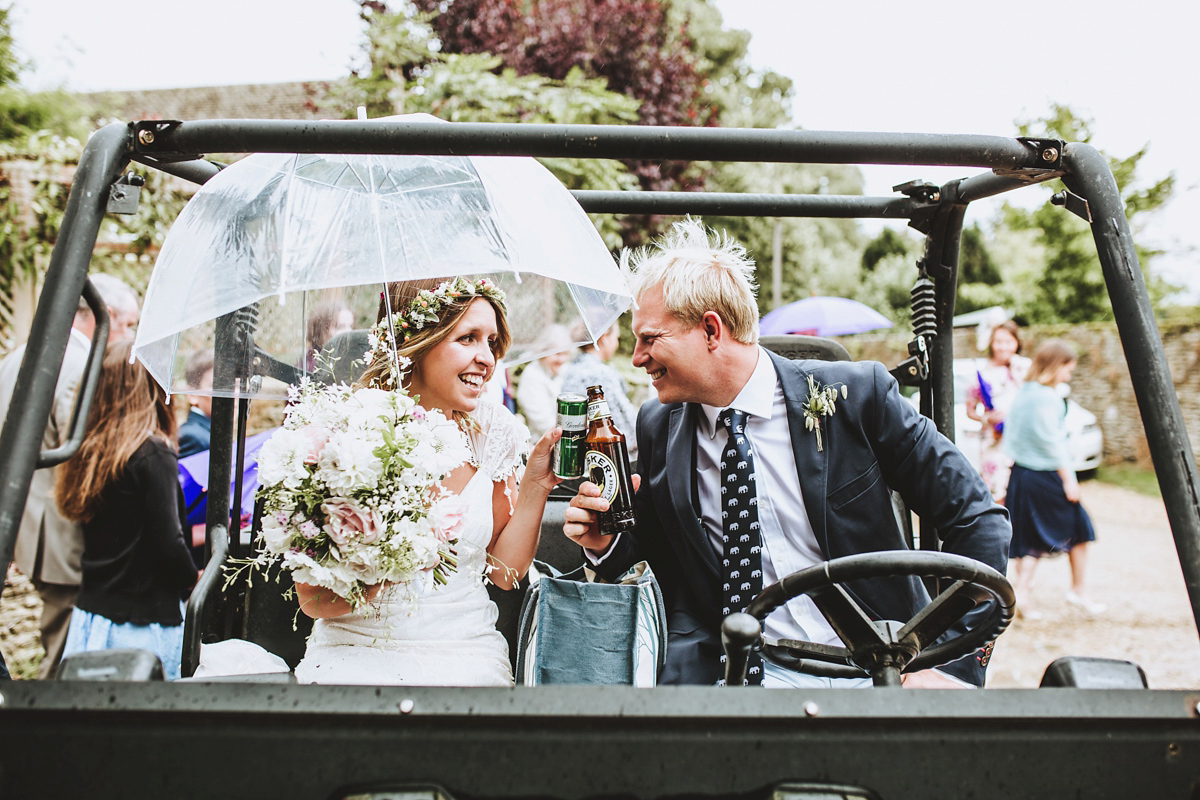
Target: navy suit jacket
column 194, row 434
column 874, row 443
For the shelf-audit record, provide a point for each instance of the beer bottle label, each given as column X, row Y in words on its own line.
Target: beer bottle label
column 601, row 471
column 598, row 409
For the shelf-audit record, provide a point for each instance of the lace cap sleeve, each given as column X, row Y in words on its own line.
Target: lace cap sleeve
column 501, row 444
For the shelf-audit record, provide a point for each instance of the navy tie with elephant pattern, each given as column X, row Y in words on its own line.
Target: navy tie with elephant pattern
column 742, row 558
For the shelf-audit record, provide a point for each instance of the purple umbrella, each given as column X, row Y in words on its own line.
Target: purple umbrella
column 822, row 316
column 193, row 477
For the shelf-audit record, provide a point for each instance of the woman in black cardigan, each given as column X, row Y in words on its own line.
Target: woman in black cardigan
column 123, row 487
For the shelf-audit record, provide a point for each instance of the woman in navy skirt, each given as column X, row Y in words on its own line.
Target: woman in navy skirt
column 1043, row 493
column 123, row 486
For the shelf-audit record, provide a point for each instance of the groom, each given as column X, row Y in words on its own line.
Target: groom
column 805, row 453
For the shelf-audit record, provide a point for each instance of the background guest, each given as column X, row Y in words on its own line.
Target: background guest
column 989, row 398
column 122, row 303
column 540, row 383
column 1043, row 492
column 122, row 488
column 194, row 433
column 591, row 368
column 49, row 545
column 327, row 319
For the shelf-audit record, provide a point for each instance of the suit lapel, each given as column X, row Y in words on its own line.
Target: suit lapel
column 811, row 465
column 687, row 534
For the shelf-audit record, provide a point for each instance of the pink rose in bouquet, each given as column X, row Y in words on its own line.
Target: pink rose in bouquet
column 314, row 440
column 348, row 521
column 447, row 516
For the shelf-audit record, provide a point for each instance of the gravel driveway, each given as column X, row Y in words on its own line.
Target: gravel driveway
column 1135, row 570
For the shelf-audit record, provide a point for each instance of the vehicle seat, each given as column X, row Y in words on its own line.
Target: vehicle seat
column 799, row 346
column 554, row 549
column 250, row 605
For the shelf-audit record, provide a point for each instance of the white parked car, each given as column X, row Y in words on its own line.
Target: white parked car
column 1084, row 437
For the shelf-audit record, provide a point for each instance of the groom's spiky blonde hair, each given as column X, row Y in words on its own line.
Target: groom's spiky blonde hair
column 699, row 270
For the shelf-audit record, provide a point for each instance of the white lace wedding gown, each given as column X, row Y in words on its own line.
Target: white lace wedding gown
column 451, row 637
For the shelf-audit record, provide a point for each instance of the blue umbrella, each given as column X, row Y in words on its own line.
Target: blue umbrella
column 822, row 316
column 193, row 477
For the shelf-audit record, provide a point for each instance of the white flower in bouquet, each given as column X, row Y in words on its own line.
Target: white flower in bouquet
column 351, row 496
column 348, row 462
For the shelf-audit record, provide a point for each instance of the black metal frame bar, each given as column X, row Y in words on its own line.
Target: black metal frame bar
column 1134, row 740
column 105, row 157
column 1014, row 162
column 87, row 386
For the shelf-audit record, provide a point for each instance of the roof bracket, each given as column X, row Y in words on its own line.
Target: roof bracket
column 124, row 193
column 146, row 136
column 923, row 191
column 1049, row 151
column 1073, row 203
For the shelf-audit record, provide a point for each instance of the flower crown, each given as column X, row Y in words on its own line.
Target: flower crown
column 427, row 306
column 425, row 309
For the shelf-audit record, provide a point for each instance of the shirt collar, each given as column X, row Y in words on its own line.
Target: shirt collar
column 756, row 398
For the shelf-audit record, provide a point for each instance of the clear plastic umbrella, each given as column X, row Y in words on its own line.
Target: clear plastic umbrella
column 290, row 249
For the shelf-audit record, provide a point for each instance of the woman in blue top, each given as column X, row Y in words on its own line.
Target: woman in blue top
column 1043, row 493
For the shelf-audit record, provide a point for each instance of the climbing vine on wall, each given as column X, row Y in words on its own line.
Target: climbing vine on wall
column 35, row 179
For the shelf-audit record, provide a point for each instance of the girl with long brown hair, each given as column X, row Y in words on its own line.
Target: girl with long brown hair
column 123, row 487
column 449, row 336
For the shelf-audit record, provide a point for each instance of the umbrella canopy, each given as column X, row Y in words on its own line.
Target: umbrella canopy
column 822, row 316
column 284, row 241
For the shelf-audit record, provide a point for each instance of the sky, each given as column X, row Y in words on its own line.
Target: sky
column 936, row 66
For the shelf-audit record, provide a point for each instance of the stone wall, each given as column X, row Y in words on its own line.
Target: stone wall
column 20, row 610
column 1101, row 382
column 298, row 100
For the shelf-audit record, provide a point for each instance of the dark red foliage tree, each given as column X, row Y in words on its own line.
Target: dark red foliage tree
column 628, row 42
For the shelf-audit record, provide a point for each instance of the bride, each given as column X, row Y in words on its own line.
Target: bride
column 453, row 342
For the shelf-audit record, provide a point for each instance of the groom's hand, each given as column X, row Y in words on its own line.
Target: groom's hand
column 580, row 525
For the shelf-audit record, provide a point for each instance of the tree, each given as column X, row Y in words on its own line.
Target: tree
column 631, row 44
column 1071, row 286
column 406, row 70
column 887, row 243
column 662, row 62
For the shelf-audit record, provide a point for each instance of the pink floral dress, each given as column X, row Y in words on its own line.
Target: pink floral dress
column 1003, row 383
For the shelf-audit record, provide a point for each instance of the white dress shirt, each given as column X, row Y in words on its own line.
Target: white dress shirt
column 788, row 541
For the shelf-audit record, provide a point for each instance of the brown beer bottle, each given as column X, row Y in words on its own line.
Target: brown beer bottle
column 606, row 464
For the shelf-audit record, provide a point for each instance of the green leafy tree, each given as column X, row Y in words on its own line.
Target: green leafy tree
column 406, row 70
column 1070, row 287
column 818, row 256
column 665, row 62
column 889, row 242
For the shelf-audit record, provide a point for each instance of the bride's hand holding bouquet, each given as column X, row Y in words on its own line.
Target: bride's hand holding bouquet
column 352, row 499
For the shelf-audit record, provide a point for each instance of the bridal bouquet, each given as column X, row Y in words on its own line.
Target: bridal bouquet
column 350, row 492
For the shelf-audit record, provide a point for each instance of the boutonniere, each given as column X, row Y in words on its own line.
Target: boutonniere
column 821, row 402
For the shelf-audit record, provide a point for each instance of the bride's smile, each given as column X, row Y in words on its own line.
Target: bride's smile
column 451, row 376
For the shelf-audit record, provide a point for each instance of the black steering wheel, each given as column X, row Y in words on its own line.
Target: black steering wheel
column 883, row 649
